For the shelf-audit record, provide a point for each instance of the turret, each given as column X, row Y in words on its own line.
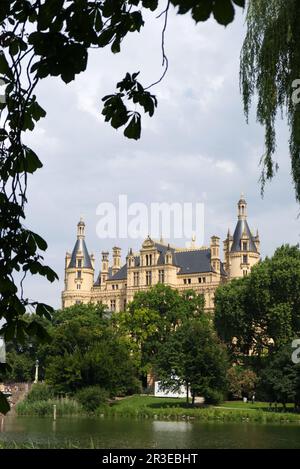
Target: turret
column 215, row 253
column 241, row 250
column 104, row 267
column 116, row 260
column 79, row 271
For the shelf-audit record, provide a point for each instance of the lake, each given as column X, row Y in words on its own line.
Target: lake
column 131, row 433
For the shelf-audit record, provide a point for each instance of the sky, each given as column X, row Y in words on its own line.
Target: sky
column 197, row 147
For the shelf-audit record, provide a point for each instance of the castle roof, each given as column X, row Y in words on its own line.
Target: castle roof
column 189, row 262
column 80, row 248
column 242, row 229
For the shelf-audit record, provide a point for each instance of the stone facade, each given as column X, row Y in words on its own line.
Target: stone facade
column 197, row 268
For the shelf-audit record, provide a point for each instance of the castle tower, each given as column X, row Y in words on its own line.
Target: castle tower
column 104, row 267
column 116, row 260
column 215, row 253
column 242, row 250
column 79, row 271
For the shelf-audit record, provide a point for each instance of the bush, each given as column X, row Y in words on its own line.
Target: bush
column 92, row 397
column 40, row 392
column 64, row 407
column 213, row 397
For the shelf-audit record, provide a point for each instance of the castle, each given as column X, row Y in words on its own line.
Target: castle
column 197, row 268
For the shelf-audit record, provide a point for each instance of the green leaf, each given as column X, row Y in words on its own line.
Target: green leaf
column 223, row 11
column 4, row 405
column 240, row 3
column 37, row 111
column 32, row 162
column 41, row 243
column 151, row 4
column 44, row 310
column 133, row 129
column 4, row 67
column 202, row 11
column 34, row 328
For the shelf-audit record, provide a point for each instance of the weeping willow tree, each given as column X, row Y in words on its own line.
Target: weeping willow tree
column 270, row 68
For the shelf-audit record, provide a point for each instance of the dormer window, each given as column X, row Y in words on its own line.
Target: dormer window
column 245, row 246
column 79, row 263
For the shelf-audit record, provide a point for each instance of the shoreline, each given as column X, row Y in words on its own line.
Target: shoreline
column 150, row 407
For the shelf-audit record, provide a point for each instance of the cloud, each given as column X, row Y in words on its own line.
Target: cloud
column 196, row 148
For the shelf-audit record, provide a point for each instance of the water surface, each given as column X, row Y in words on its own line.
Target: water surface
column 119, row 432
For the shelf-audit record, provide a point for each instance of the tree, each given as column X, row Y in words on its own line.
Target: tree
column 280, row 380
column 194, row 357
column 86, row 350
column 41, row 38
column 270, row 64
column 154, row 314
column 241, row 381
column 261, row 312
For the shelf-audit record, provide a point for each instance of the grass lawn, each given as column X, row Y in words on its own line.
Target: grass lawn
column 249, row 406
column 176, row 409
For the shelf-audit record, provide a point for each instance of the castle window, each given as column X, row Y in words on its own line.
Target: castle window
column 245, row 273
column 189, row 280
column 113, row 305
column 204, row 279
column 245, row 259
column 245, row 246
column 200, row 280
column 113, row 287
column 148, row 259
column 78, row 286
column 136, row 279
column 78, row 302
column 184, row 281
column 117, row 287
column 78, row 273
column 79, row 263
column 161, row 276
column 148, row 277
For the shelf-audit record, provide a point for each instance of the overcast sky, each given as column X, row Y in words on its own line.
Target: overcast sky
column 196, row 148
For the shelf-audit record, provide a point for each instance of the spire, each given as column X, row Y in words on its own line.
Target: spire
column 80, row 250
column 242, row 230
column 242, row 208
column 80, row 229
column 193, row 243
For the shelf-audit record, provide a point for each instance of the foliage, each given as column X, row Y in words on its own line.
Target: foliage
column 241, row 381
column 261, row 312
column 64, row 407
column 270, row 64
column 280, row 381
column 92, row 397
column 153, row 315
column 86, row 350
column 194, row 357
column 40, row 392
column 42, row 38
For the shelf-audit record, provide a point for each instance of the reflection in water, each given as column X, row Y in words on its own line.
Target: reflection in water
column 135, row 433
column 159, row 426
